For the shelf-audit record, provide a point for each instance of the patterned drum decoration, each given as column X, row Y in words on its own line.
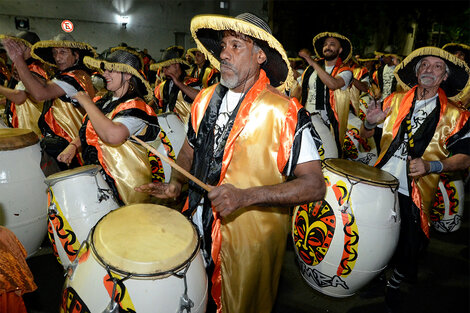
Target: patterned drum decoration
column 448, row 207
column 355, row 147
column 22, row 190
column 328, row 148
column 77, row 199
column 169, row 142
column 345, row 240
column 138, row 258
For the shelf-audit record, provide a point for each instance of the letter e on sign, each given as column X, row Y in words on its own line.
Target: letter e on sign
column 67, row 26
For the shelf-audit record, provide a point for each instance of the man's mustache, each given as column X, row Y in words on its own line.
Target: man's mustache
column 230, row 66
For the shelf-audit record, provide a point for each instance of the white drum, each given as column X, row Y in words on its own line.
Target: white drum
column 356, row 148
column 139, row 258
column 2, row 123
column 448, row 206
column 22, row 190
column 169, row 141
column 328, row 149
column 77, row 199
column 345, row 240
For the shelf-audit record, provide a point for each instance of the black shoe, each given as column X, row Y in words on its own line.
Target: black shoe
column 393, row 300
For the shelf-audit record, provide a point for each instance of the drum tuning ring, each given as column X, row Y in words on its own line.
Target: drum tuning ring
column 52, row 210
column 345, row 208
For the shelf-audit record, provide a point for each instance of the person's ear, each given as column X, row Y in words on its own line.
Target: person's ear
column 261, row 57
column 127, row 76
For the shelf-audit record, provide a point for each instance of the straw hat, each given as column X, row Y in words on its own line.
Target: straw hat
column 453, row 47
column 133, row 51
column 124, row 62
column 346, row 45
column 205, row 30
column 26, row 37
column 42, row 50
column 457, row 79
column 171, row 55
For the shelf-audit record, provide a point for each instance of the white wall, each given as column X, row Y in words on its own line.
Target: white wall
column 152, row 24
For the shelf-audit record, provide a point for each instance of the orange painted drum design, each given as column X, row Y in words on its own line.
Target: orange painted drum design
column 448, row 206
column 345, row 240
column 138, row 258
column 169, row 142
column 22, row 190
column 77, row 199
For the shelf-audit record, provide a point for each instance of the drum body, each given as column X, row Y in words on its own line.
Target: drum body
column 329, row 149
column 23, row 194
column 355, row 147
column 151, row 252
column 448, row 206
column 77, row 198
column 169, row 141
column 345, row 240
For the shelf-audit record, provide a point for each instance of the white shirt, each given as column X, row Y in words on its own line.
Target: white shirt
column 397, row 163
column 310, row 104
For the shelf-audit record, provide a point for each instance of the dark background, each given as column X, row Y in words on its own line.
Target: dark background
column 372, row 24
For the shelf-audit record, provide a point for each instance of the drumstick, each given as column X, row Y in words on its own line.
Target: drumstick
column 173, row 164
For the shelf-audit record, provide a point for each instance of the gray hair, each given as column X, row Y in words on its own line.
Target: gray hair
column 419, row 64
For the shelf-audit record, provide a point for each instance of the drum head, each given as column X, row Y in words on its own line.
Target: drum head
column 361, row 172
column 144, row 239
column 89, row 170
column 16, row 138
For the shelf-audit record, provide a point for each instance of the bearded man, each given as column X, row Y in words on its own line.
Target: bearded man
column 324, row 84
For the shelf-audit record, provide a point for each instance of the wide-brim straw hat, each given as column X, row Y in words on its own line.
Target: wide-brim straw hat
column 121, row 61
column 133, row 51
column 369, row 57
column 25, row 37
column 191, row 52
column 205, row 30
column 171, row 55
column 452, row 47
column 42, row 50
column 346, row 45
column 456, row 81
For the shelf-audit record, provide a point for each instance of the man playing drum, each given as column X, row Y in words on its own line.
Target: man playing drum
column 178, row 90
column 246, row 139
column 423, row 134
column 21, row 109
column 61, row 118
column 324, row 83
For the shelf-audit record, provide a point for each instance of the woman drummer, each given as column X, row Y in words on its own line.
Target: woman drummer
column 111, row 120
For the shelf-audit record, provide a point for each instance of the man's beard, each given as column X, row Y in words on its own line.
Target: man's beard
column 232, row 81
column 331, row 57
column 427, row 79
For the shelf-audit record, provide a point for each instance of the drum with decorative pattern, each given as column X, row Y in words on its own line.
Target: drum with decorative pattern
column 345, row 240
column 169, row 142
column 139, row 258
column 77, row 199
column 328, row 148
column 448, row 207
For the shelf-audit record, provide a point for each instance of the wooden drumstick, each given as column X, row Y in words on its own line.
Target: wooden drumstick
column 173, row 164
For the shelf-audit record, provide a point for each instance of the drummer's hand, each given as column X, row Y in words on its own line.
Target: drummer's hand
column 160, row 190
column 225, row 199
column 83, row 98
column 374, row 113
column 14, row 49
column 67, row 155
column 418, row 167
